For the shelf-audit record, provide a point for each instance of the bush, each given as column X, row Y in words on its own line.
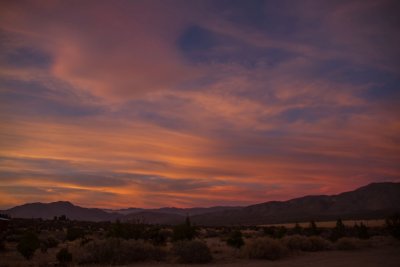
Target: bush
column 184, row 231
column 130, row 230
column 339, row 231
column 157, row 236
column 265, row 248
column 2, row 245
column 313, row 229
column 362, row 231
column 297, row 242
column 193, row 251
column 64, row 256
column 28, row 244
column 235, row 239
column 393, row 225
column 297, row 229
column 74, row 233
column 318, row 243
column 49, row 242
column 118, row 251
column 347, row 243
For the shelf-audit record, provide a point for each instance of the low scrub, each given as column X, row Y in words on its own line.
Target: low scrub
column 28, row 244
column 318, row 243
column 304, row 243
column 235, row 239
column 118, row 251
column 348, row 243
column 64, row 256
column 297, row 242
column 264, row 248
column 194, row 251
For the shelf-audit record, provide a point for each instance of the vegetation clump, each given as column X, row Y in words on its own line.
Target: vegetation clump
column 116, row 251
column 339, row 231
column 347, row 243
column 191, row 251
column 64, row 256
column 264, row 248
column 74, row 233
column 304, row 243
column 235, row 239
column 297, row 242
column 393, row 225
column 28, row 244
column 318, row 243
column 184, row 231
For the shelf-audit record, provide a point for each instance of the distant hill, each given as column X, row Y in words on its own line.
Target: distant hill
column 124, row 211
column 173, row 210
column 151, row 217
column 376, row 200
column 49, row 210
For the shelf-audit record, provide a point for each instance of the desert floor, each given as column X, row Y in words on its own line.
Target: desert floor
column 374, row 257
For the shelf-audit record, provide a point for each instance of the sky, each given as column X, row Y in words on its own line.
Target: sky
column 149, row 104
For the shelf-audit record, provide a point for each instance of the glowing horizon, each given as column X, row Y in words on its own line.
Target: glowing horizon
column 202, row 103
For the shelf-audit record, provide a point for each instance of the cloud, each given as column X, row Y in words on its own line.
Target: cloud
column 165, row 103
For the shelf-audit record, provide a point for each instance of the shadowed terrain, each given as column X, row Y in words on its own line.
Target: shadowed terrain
column 376, row 200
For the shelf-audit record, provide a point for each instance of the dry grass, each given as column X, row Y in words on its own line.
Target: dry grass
column 264, row 248
column 331, row 224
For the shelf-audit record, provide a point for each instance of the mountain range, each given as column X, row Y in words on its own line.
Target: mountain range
column 376, row 200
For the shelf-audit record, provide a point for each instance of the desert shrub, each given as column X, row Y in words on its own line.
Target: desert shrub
column 157, row 236
column 318, row 243
column 64, row 256
column 264, row 248
column 28, row 244
column 211, row 233
column 118, row 251
column 2, row 245
column 382, row 241
column 347, row 243
column 49, row 242
column 191, row 251
column 393, row 225
column 130, row 230
column 235, row 239
column 339, row 231
column 74, row 233
column 297, row 229
column 297, row 242
column 184, row 231
column 313, row 229
column 361, row 231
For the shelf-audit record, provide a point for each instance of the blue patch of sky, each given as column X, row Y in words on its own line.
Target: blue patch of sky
column 276, row 19
column 32, row 97
column 201, row 45
column 314, row 114
column 24, row 57
column 382, row 85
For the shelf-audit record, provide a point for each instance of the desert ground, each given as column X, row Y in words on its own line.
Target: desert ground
column 378, row 257
column 45, row 243
column 371, row 257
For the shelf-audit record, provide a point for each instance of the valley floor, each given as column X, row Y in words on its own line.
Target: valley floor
column 374, row 257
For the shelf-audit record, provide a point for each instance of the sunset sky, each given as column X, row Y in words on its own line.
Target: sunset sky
column 196, row 103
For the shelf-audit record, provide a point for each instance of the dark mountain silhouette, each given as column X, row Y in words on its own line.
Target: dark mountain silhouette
column 376, row 200
column 49, row 210
column 125, row 211
column 154, row 218
column 173, row 210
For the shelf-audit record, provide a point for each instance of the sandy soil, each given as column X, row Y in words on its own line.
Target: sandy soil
column 377, row 257
column 388, row 256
